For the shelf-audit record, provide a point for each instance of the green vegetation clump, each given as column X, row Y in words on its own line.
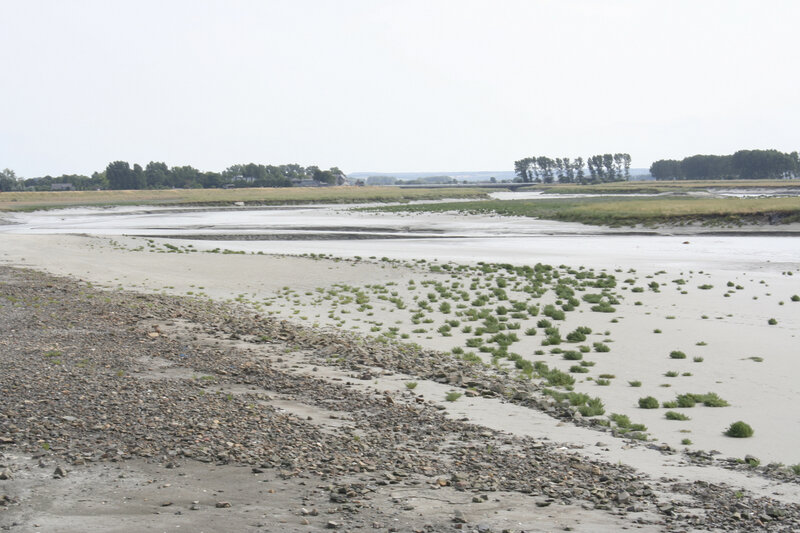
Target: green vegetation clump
column 553, row 377
column 586, row 406
column 686, row 400
column 648, row 402
column 672, row 415
column 452, row 396
column 677, row 354
column 711, row 399
column 739, row 430
column 635, row 383
column 772, row 322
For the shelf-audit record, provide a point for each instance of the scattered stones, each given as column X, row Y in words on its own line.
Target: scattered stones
column 114, row 415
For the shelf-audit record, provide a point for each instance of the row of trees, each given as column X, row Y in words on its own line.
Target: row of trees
column 157, row 175
column 602, row 168
column 744, row 164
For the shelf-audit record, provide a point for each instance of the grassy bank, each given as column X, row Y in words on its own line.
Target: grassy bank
column 658, row 187
column 28, row 201
column 630, row 212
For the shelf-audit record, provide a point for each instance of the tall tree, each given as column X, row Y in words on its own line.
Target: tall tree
column 8, row 180
column 157, row 175
column 120, row 175
column 579, row 176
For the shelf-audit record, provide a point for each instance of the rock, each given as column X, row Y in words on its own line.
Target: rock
column 59, row 472
column 775, row 512
column 222, row 505
column 623, row 497
column 6, row 474
column 332, row 525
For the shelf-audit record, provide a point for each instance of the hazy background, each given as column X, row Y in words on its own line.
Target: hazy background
column 391, row 85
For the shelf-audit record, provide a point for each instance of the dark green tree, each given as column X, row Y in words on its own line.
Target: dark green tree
column 157, row 175
column 666, row 169
column 120, row 175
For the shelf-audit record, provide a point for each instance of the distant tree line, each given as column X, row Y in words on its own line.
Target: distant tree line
column 157, row 175
column 744, row 164
column 602, row 168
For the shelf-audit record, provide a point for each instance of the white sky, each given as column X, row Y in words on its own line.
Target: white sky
column 380, row 85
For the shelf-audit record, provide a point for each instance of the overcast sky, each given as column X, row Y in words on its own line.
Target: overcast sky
column 397, row 85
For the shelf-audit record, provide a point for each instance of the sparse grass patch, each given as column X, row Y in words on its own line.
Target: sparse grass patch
column 677, row 354
column 635, row 383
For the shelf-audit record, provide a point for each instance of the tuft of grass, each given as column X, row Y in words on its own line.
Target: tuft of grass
column 452, row 396
column 686, row 442
column 671, row 374
column 739, row 430
column 593, row 407
column 620, row 420
column 411, row 385
column 711, row 399
column 648, row 402
column 673, row 415
column 686, row 400
column 635, row 383
column 697, row 359
column 772, row 322
column 677, row 354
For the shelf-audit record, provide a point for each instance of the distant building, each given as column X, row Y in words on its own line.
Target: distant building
column 62, row 187
column 308, row 183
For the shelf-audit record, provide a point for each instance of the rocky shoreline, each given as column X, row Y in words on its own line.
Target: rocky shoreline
column 93, row 378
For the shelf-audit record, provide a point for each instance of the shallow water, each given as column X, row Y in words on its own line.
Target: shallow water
column 443, row 236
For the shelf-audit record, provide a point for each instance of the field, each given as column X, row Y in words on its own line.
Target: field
column 629, row 211
column 658, row 187
column 29, row 201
